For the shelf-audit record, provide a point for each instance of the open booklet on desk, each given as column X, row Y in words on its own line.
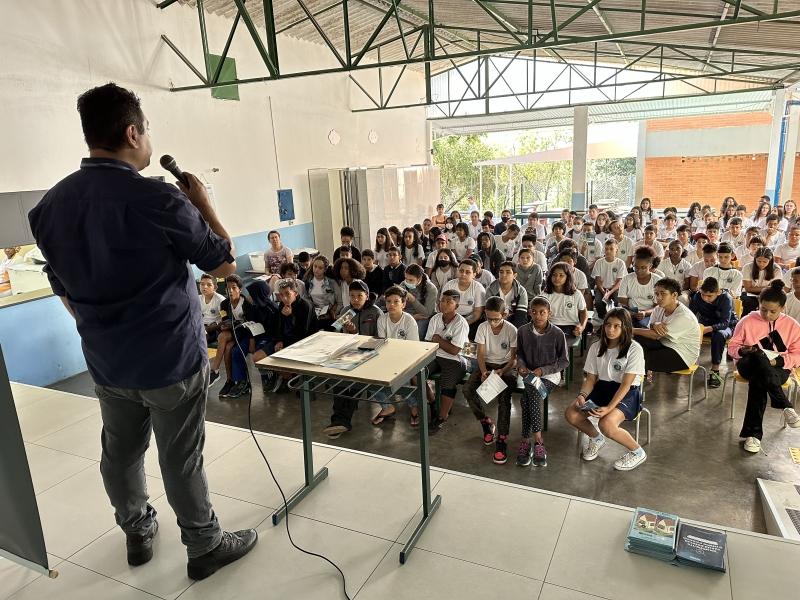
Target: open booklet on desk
column 318, row 348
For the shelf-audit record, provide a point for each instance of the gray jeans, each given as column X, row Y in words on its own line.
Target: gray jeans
column 176, row 414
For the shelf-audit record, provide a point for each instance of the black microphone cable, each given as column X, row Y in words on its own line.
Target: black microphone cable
column 264, row 456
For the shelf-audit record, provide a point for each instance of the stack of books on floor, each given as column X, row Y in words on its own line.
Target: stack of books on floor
column 664, row 537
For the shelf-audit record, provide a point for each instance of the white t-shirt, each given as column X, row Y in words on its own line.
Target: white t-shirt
column 787, row 254
column 664, row 234
column 677, row 272
column 508, row 248
column 635, row 235
column 761, row 280
column 460, row 249
column 474, row 230
column 456, row 332
column 579, row 277
column 405, row 329
column 591, row 250
column 564, row 309
column 683, row 331
column 471, row 298
column 792, row 307
column 639, row 295
column 382, row 258
column 610, row 368
column 407, row 255
column 729, row 279
column 498, row 346
column 609, row 272
column 624, row 248
column 210, row 310
column 697, row 269
column 238, row 310
column 440, row 277
column 657, row 248
column 734, row 241
column 485, row 278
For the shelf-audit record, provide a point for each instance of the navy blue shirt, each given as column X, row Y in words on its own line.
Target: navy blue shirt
column 118, row 247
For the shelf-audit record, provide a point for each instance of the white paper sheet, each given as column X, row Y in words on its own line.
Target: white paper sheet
column 318, row 348
column 491, row 387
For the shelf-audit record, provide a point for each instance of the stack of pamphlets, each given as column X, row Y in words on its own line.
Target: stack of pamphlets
column 664, row 537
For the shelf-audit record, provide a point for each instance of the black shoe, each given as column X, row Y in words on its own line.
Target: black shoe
column 140, row 547
column 229, row 385
column 435, row 425
column 232, row 547
column 212, row 378
column 488, row 431
column 240, row 389
column 714, row 380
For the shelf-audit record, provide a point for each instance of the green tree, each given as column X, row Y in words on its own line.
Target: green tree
column 545, row 182
column 455, row 156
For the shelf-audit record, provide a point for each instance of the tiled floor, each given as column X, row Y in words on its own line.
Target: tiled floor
column 488, row 539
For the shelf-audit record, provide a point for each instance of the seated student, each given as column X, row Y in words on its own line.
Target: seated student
column 507, row 241
column 412, row 251
column 394, row 273
column 439, row 243
column 786, row 254
column 257, row 307
column 577, row 228
column 588, row 245
column 773, row 236
column 792, row 307
column 624, row 243
column 344, row 272
column 487, row 226
column 277, row 254
column 633, row 229
column 670, row 230
column 365, row 322
column 578, row 261
column 482, row 276
column 757, row 277
column 766, row 329
column 728, row 276
column 474, row 224
column 672, row 342
column 514, row 295
column 373, row 273
column 488, row 252
column 746, row 253
column 558, row 233
column 382, row 245
column 303, row 264
column 542, row 352
column 528, row 273
column 232, row 313
column 347, row 235
column 472, row 295
column 637, row 290
column 735, row 234
column 607, row 273
column 650, row 241
column 421, row 297
column 675, row 266
column 497, row 351
column 323, row 291
column 450, row 330
column 445, row 268
column 685, row 238
column 567, row 303
column 210, row 305
column 289, row 271
column 505, row 221
column 699, row 267
column 461, row 244
column 712, row 231
column 396, row 324
column 714, row 310
column 529, row 243
column 426, row 237
column 614, row 368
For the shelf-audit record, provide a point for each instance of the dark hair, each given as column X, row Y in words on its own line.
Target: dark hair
column 528, row 237
column 684, row 252
column 454, row 294
column 724, row 248
column 396, row 290
column 682, row 228
column 567, row 252
column 488, row 214
column 635, row 218
column 709, row 285
column 416, row 271
column 394, row 249
column 486, row 223
column 387, row 240
column 393, row 230
column 495, row 304
column 756, row 239
column 470, row 263
column 303, row 256
column 484, row 235
column 415, row 240
column 773, row 293
column 310, row 272
column 235, row 279
column 560, row 225
column 275, row 231
column 450, row 255
column 769, row 270
column 712, row 225
column 513, row 227
column 207, row 276
column 368, row 253
column 348, row 249
column 626, row 337
column 356, row 268
column 463, row 227
column 566, row 244
column 106, row 113
column 539, row 301
column 348, row 231
column 569, row 285
column 709, row 248
column 505, row 263
column 773, row 217
column 286, row 267
column 644, row 253
column 670, row 285
column 439, row 206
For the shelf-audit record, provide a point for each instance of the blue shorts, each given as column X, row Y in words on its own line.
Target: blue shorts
column 603, row 392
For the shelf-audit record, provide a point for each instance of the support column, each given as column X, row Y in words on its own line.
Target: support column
column 641, row 155
column 580, row 130
column 790, row 153
column 778, row 105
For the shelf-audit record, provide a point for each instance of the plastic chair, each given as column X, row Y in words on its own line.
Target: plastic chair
column 637, row 421
column 690, row 374
column 791, row 386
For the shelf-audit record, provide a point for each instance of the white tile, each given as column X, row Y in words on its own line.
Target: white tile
column 54, row 412
column 493, row 525
column 25, row 395
column 590, row 558
column 219, row 440
column 760, row 567
column 77, row 511
column 49, row 467
column 276, row 570
column 242, row 473
column 14, row 577
column 165, row 575
column 76, row 583
column 81, row 438
column 554, row 592
column 379, row 496
column 429, row 575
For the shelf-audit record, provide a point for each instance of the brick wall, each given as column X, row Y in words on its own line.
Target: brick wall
column 709, row 121
column 675, row 181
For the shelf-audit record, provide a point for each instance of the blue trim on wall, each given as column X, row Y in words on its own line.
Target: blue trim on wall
column 39, row 339
column 579, row 201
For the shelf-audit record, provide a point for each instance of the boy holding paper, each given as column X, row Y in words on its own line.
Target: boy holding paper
column 497, row 353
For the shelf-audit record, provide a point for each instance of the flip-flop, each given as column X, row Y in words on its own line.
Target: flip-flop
column 380, row 419
column 414, row 420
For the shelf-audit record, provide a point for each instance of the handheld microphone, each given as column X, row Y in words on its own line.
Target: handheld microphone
column 170, row 165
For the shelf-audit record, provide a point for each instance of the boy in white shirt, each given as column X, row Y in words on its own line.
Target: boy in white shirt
column 506, row 242
column 675, row 266
column 210, row 302
column 497, row 352
column 728, row 277
column 786, row 254
column 792, row 307
column 474, row 224
column 607, row 272
column 472, row 295
column 637, row 290
column 670, row 231
column 735, row 235
column 773, row 236
column 624, row 243
column 746, row 253
column 588, row 245
column 699, row 267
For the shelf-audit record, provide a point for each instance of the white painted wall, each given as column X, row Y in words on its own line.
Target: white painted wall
column 55, row 49
column 752, row 139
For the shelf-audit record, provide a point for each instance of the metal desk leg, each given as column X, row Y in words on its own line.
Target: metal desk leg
column 308, row 458
column 428, row 507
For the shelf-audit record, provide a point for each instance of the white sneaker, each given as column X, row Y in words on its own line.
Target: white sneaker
column 752, row 444
column 592, row 449
column 792, row 418
column 629, row 461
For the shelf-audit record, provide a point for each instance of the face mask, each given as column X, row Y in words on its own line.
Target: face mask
column 443, row 263
column 410, row 286
column 504, row 219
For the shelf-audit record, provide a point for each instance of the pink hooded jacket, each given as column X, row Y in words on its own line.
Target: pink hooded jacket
column 754, row 327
